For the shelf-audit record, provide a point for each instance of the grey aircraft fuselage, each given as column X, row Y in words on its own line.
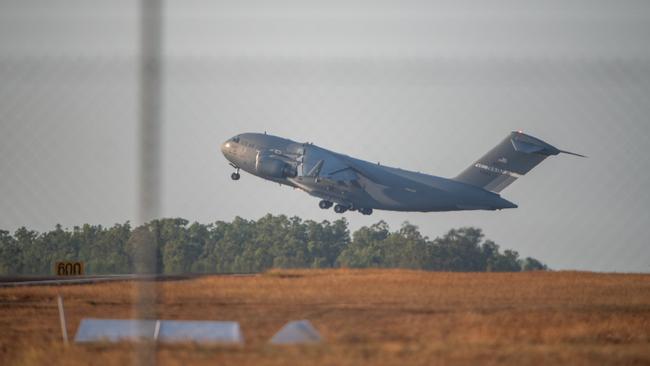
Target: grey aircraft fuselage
column 354, row 184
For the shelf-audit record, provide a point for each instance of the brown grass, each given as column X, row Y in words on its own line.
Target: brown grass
column 366, row 316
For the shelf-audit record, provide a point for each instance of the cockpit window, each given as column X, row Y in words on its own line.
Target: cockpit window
column 235, row 139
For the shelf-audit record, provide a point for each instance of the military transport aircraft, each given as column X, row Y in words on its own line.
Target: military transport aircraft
column 351, row 184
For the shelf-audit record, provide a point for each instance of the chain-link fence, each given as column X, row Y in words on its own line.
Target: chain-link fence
column 114, row 111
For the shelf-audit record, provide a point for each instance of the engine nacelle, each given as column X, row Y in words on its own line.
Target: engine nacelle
column 273, row 167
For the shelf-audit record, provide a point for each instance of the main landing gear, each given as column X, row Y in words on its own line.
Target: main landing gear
column 365, row 211
column 325, row 204
column 235, row 175
column 338, row 208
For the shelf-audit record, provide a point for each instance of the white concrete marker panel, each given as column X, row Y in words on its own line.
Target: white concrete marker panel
column 200, row 331
column 296, row 332
column 114, row 330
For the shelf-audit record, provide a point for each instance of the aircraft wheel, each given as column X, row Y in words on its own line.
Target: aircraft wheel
column 234, row 176
column 366, row 211
column 340, row 208
column 324, row 204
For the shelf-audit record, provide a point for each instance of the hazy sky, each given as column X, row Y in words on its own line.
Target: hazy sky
column 428, row 86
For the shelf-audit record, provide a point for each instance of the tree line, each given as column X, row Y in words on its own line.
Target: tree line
column 252, row 246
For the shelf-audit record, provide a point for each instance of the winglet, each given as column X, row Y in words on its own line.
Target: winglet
column 572, row 153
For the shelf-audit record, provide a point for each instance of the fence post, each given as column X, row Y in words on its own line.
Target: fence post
column 64, row 329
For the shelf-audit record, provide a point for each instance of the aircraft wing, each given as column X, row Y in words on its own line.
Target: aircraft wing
column 375, row 173
column 320, row 163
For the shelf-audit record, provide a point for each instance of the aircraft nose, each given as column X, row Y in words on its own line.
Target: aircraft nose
column 225, row 148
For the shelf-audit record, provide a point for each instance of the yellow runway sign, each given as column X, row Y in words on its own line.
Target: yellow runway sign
column 67, row 269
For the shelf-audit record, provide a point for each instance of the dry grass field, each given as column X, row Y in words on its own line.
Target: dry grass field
column 376, row 317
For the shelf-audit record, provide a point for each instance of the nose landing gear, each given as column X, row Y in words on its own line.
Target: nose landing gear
column 235, row 175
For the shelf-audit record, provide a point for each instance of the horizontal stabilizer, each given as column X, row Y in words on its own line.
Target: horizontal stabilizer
column 515, row 156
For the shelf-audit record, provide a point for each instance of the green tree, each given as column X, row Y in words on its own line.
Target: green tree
column 366, row 249
column 506, row 262
column 459, row 250
column 532, row 264
column 406, row 248
column 171, row 246
column 104, row 250
column 178, row 256
column 143, row 250
column 10, row 255
column 34, row 258
column 326, row 241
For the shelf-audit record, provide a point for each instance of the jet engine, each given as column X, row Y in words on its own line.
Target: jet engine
column 273, row 167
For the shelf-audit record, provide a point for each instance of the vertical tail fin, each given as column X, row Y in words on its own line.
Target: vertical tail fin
column 515, row 156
